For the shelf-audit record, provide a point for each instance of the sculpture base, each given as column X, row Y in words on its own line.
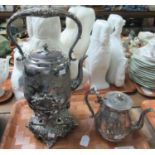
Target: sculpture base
column 48, row 130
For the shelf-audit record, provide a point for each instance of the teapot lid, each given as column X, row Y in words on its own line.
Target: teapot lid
column 47, row 56
column 118, row 101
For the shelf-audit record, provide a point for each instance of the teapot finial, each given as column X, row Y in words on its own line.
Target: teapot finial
column 45, row 46
column 120, row 96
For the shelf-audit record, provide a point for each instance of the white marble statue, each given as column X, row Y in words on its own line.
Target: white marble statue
column 4, row 72
column 118, row 63
column 98, row 60
column 17, row 76
column 87, row 18
column 40, row 31
column 46, row 31
column 29, row 26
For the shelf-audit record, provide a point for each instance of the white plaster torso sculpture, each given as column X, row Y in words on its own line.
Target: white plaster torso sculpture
column 116, row 72
column 40, row 31
column 29, row 22
column 4, row 72
column 99, row 55
column 17, row 76
column 87, row 18
column 46, row 31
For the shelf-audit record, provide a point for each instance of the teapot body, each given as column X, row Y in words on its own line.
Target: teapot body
column 111, row 124
column 113, row 120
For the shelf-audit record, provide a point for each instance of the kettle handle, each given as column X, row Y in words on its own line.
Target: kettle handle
column 92, row 90
column 42, row 12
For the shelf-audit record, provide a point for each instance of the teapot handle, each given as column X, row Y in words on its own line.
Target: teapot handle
column 42, row 12
column 92, row 90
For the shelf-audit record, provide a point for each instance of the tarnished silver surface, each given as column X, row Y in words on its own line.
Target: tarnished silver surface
column 47, row 83
column 48, row 128
column 118, row 101
column 112, row 121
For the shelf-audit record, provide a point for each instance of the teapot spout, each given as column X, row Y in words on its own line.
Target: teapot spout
column 140, row 122
column 75, row 83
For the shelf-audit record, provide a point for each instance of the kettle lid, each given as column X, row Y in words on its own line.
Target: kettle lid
column 47, row 56
column 118, row 101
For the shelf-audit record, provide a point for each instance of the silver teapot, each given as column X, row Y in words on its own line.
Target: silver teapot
column 113, row 120
column 47, row 82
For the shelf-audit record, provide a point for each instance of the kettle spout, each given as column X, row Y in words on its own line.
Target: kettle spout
column 75, row 83
column 140, row 122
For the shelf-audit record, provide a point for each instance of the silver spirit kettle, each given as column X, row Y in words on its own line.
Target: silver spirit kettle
column 47, row 82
